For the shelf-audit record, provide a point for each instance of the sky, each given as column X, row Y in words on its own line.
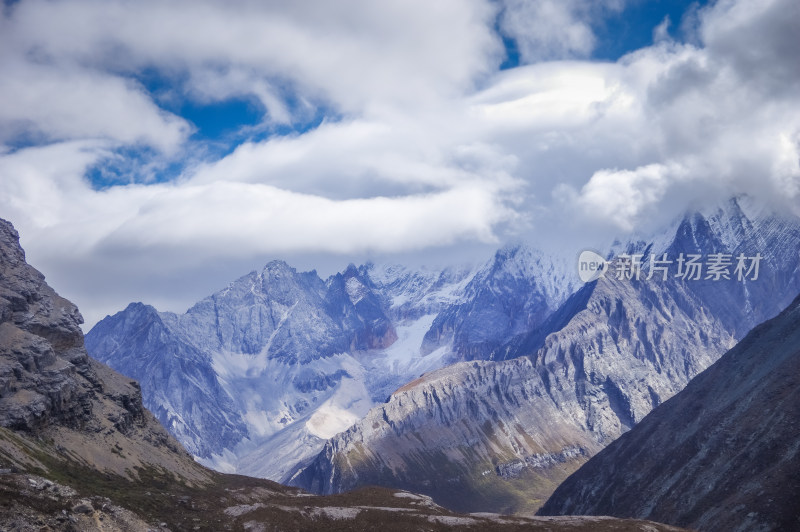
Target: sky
column 156, row 150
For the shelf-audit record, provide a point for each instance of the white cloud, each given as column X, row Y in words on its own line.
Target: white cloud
column 626, row 198
column 125, row 235
column 661, row 32
column 554, row 29
column 349, row 54
column 431, row 147
column 236, row 218
column 55, row 103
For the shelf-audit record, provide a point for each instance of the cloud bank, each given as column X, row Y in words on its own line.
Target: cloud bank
column 423, row 142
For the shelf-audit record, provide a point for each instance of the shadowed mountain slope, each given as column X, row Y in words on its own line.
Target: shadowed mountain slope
column 723, row 454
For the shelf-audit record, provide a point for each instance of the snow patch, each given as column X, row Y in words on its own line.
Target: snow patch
column 452, row 520
column 391, row 368
column 355, row 290
column 336, row 512
column 236, row 511
column 349, row 403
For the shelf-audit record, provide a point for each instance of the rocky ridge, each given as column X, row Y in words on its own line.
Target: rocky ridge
column 720, row 455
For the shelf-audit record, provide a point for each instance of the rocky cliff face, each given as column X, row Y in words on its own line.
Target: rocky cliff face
column 513, row 294
column 287, row 315
column 51, row 388
column 594, row 368
column 46, row 377
column 354, row 299
column 176, row 376
column 720, row 455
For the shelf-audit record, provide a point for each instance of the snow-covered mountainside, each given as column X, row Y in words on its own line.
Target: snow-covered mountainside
column 500, row 435
column 256, row 377
column 514, row 293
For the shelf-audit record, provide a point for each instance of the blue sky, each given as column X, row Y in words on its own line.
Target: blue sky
column 155, row 150
column 632, row 28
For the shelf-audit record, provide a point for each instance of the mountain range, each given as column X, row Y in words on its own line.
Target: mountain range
column 481, row 387
column 79, row 452
column 500, row 436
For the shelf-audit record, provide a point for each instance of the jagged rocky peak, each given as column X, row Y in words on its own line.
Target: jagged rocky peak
column 416, row 292
column 174, row 374
column 274, row 311
column 292, row 315
column 512, row 294
column 29, row 303
column 726, row 227
column 283, row 283
column 279, row 268
column 359, row 287
column 354, row 300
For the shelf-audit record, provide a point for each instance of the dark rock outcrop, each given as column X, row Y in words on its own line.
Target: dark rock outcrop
column 46, row 376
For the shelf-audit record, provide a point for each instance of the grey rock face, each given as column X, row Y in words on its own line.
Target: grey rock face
column 720, row 455
column 594, row 368
column 277, row 309
column 457, row 434
column 177, row 378
column 513, row 294
column 353, row 300
column 741, row 305
column 45, row 374
column 50, row 387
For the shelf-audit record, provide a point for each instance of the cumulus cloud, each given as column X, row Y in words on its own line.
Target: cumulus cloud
column 554, row 29
column 758, row 40
column 49, row 103
column 624, row 197
column 349, row 54
column 705, row 121
column 425, row 144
